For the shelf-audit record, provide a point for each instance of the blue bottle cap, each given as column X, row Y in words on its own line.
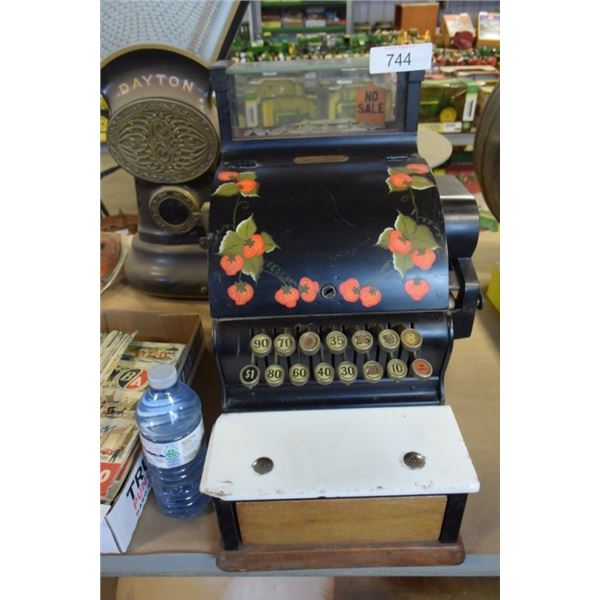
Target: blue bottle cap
column 162, row 377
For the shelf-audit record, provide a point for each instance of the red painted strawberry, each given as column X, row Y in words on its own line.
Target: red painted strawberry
column 350, row 290
column 287, row 295
column 232, row 265
column 370, row 296
column 419, row 168
column 416, row 288
column 423, row 259
column 400, row 180
column 247, row 186
column 227, row 175
column 255, row 246
column 308, row 289
column 397, row 243
column 240, row 292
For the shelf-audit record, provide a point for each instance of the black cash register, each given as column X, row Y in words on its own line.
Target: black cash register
column 338, row 282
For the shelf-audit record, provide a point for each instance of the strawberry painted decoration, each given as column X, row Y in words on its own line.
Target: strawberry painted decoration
column 240, row 292
column 237, row 183
column 243, row 249
column 409, row 176
column 352, row 291
column 232, row 265
column 308, row 289
column 287, row 296
column 416, row 288
column 369, row 296
column 412, row 246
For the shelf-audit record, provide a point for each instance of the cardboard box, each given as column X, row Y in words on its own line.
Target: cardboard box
column 161, row 327
column 448, row 105
column 422, row 16
column 119, row 518
column 488, row 30
column 453, row 24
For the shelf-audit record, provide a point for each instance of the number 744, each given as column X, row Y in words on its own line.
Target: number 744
column 398, row 60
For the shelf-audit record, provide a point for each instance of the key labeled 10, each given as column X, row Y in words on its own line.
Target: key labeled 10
column 393, row 59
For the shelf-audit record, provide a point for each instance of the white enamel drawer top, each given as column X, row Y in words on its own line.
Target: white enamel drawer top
column 337, row 453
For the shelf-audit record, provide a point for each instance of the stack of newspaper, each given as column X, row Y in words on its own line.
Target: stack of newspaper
column 121, row 388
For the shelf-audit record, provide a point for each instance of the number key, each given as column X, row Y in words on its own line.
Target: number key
column 411, row 339
column 274, row 375
column 336, row 342
column 421, row 368
column 396, row 369
column 372, row 371
column 261, row 344
column 389, row 340
column 347, row 372
column 250, row 376
column 324, row 373
column 310, row 343
column 285, row 344
column 299, row 374
column 362, row 341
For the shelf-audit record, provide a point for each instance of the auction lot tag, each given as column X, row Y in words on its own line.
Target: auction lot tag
column 392, row 59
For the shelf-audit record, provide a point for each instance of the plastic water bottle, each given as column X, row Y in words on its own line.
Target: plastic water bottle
column 169, row 418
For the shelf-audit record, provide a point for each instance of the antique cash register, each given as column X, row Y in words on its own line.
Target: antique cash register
column 338, row 282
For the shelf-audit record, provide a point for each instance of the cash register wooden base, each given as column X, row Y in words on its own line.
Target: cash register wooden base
column 275, row 558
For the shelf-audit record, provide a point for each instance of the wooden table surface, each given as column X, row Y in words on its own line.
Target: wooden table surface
column 472, row 389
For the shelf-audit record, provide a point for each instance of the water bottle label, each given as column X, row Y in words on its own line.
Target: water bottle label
column 173, row 454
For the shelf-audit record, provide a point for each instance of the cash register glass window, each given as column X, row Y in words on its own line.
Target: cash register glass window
column 311, row 98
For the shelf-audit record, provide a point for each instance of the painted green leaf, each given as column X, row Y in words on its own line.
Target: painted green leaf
column 231, row 244
column 227, row 189
column 420, row 183
column 247, row 228
column 384, row 238
column 405, row 224
column 247, row 175
column 394, row 170
column 253, row 267
column 422, row 239
column 252, row 194
column 402, row 263
column 270, row 244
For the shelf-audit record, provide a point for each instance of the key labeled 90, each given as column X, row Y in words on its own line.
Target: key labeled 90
column 261, row 345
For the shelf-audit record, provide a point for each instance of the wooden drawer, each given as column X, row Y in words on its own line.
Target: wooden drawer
column 341, row 521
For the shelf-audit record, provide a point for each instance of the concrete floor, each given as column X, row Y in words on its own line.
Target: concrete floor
column 342, row 588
